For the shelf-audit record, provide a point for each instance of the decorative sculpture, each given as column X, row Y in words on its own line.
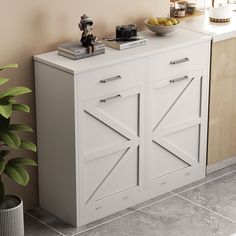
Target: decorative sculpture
column 87, row 39
column 88, row 46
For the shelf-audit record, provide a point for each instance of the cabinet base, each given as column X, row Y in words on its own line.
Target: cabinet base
column 157, row 187
column 220, row 165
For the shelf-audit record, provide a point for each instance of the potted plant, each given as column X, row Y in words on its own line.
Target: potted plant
column 11, row 207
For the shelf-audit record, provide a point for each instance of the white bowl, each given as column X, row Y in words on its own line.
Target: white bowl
column 161, row 29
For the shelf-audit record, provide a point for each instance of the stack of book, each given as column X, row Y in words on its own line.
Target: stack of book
column 76, row 51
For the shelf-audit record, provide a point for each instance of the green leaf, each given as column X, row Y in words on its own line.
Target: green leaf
column 22, row 162
column 5, row 109
column 4, row 124
column 21, row 107
column 2, row 192
column 17, row 174
column 28, row 145
column 20, row 127
column 9, row 99
column 15, row 91
column 3, row 80
column 2, row 165
column 3, row 153
column 10, row 139
column 9, row 66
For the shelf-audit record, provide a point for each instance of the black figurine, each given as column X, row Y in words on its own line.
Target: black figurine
column 87, row 38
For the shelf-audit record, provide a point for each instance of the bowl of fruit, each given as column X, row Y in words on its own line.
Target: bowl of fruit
column 162, row 25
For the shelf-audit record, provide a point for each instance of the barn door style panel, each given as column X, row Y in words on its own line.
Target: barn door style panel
column 175, row 125
column 112, row 152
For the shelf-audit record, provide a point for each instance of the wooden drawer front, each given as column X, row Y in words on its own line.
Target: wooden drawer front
column 111, row 79
column 179, row 61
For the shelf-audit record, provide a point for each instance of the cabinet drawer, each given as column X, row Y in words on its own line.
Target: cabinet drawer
column 111, row 79
column 178, row 61
column 112, row 204
column 177, row 179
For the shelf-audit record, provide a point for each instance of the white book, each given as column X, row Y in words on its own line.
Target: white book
column 80, row 56
column 76, row 48
column 122, row 45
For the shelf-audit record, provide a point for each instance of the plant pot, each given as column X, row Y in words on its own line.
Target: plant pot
column 12, row 217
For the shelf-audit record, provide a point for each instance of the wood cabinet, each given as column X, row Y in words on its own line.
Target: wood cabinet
column 222, row 125
column 125, row 130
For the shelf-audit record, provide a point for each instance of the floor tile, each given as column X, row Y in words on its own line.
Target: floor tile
column 218, row 195
column 151, row 201
column 103, row 220
column 68, row 229
column 52, row 221
column 35, row 228
column 171, row 217
column 209, row 177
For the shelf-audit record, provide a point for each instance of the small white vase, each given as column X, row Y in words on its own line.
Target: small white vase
column 12, row 217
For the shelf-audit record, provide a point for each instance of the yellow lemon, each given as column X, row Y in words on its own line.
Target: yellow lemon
column 162, row 20
column 152, row 21
column 174, row 21
column 168, row 23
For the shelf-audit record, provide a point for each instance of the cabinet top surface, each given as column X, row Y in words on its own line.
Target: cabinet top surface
column 219, row 31
column 156, row 44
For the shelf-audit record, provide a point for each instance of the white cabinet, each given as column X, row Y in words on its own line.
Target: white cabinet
column 121, row 128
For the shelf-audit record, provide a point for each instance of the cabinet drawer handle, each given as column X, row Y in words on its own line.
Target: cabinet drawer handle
column 179, row 79
column 179, row 61
column 103, row 81
column 110, row 98
column 125, row 197
column 98, row 208
column 188, row 173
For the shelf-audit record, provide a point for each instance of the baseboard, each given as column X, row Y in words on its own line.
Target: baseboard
column 220, row 165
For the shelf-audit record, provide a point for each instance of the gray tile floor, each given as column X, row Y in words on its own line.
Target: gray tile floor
column 206, row 207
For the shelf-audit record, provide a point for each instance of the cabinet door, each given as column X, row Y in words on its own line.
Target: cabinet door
column 222, row 125
column 111, row 172
column 174, row 131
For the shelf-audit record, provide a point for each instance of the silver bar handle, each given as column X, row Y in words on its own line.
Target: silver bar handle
column 179, row 79
column 179, row 61
column 110, row 98
column 103, row 81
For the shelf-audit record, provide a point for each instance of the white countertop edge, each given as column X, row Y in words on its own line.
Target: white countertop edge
column 225, row 36
column 218, row 31
column 215, row 37
column 120, row 59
